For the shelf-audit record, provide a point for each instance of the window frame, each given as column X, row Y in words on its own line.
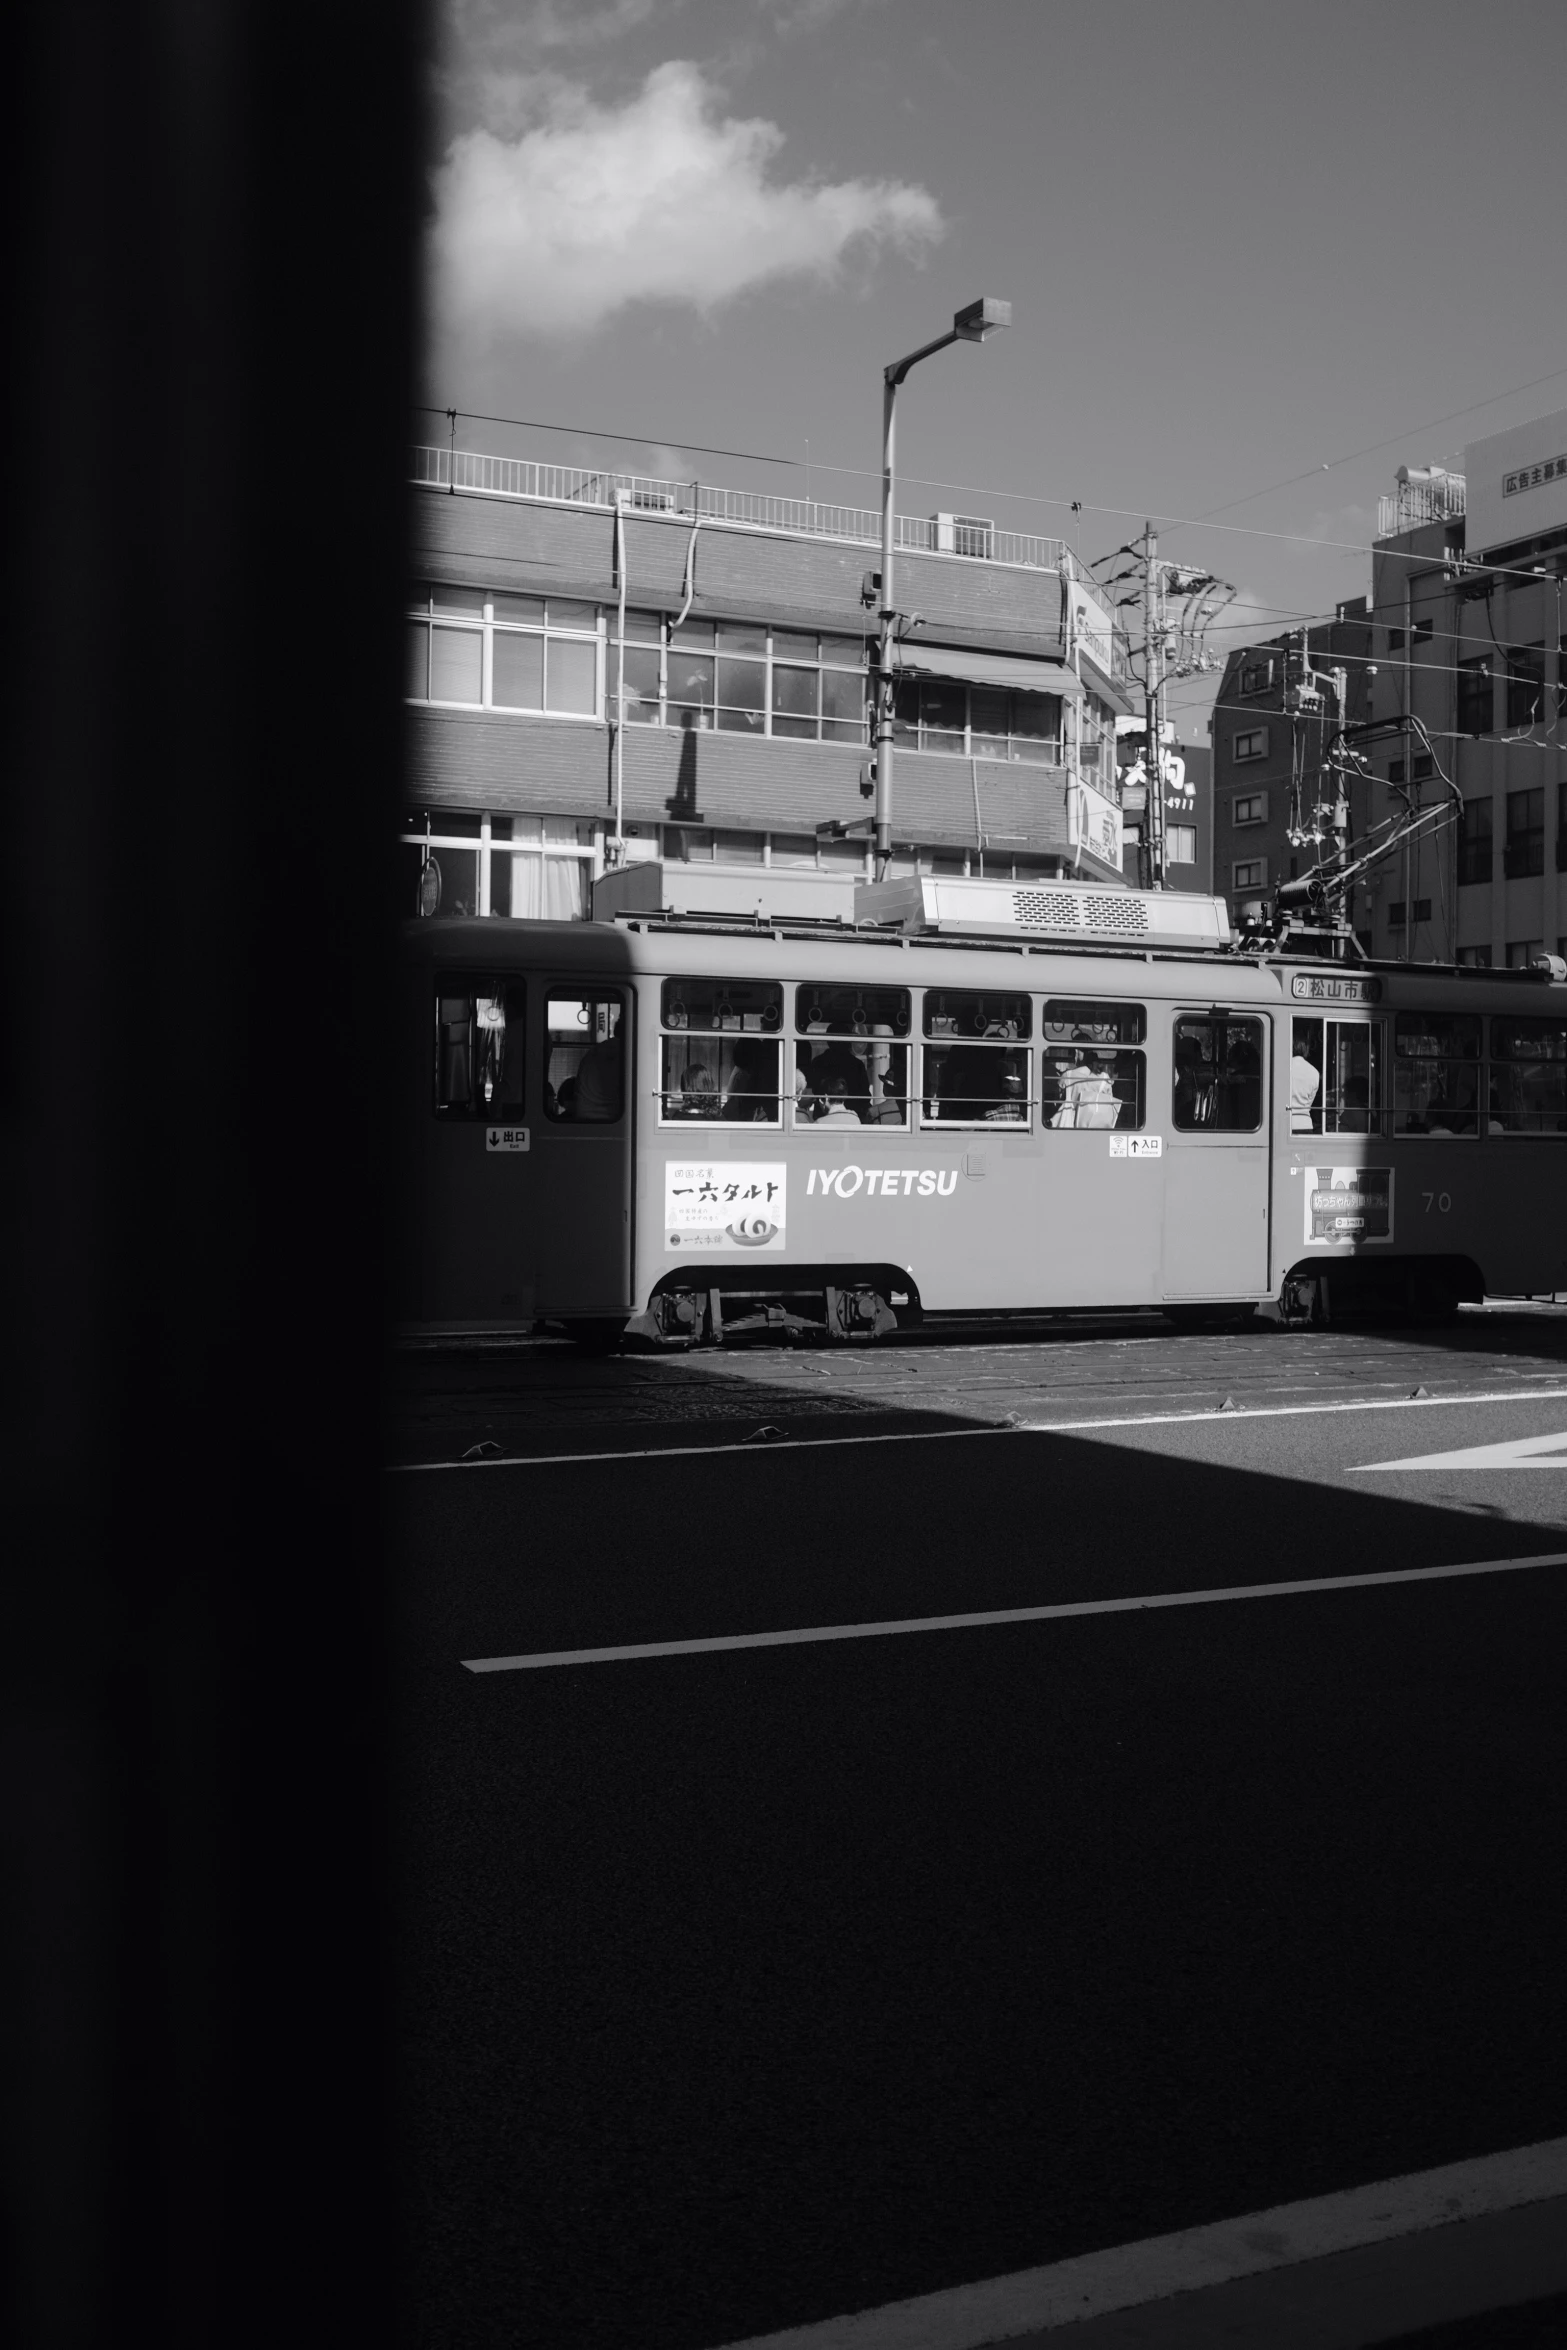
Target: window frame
column 1248, row 743
column 1401, row 1020
column 1078, row 1012
column 477, row 986
column 487, row 627
column 886, row 1035
column 669, row 1029
column 1199, row 1127
column 567, row 989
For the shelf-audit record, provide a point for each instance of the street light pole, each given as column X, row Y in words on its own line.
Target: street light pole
column 970, row 325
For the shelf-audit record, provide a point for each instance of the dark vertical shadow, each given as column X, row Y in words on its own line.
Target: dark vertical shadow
column 210, row 221
column 682, row 804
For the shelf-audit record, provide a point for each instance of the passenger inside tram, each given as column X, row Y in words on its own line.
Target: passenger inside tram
column 752, row 1094
column 833, row 1095
column 1306, row 1078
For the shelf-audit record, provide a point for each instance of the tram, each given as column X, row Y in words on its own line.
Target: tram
column 678, row 1127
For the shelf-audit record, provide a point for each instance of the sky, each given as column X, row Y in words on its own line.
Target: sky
column 1258, row 255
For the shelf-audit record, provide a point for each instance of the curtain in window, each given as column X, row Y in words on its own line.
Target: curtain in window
column 548, row 889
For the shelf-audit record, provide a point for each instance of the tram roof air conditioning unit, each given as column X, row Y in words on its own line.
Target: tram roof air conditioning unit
column 1062, row 910
column 654, row 886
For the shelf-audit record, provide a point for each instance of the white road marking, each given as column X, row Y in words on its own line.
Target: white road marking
column 1036, row 2300
column 1283, row 1411
column 1518, row 1452
column 542, row 1660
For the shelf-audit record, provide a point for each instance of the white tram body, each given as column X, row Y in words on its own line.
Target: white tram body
column 681, row 1125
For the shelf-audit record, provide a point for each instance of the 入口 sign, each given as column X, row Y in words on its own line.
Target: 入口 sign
column 1137, row 1146
column 724, row 1210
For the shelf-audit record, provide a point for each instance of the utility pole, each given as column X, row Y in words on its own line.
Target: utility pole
column 1151, row 856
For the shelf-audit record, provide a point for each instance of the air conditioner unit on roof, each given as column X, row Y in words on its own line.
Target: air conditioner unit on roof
column 1062, row 910
column 965, row 534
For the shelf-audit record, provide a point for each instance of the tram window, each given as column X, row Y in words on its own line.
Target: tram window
column 1068, row 1020
column 1528, row 1091
column 479, row 1032
column 975, row 1085
column 1436, row 1073
column 724, row 1004
column 1087, row 1077
column 1218, row 1074
column 1336, row 1077
column 851, row 1065
column 970, row 1012
column 721, row 1054
column 584, row 1076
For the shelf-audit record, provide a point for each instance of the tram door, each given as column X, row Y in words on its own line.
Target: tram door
column 582, row 1150
column 1216, row 1185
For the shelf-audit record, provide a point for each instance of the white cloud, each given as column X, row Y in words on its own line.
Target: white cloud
column 662, row 199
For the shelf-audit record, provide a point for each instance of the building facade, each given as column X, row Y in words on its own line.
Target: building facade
column 737, row 635
column 1188, row 812
column 1467, row 603
column 1268, row 744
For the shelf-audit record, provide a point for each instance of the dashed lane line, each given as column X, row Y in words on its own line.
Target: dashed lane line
column 1011, row 1427
column 1036, row 2301
column 641, row 1651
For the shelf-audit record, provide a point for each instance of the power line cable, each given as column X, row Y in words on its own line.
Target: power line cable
column 1331, row 465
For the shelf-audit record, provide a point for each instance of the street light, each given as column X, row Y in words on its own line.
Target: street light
column 971, row 325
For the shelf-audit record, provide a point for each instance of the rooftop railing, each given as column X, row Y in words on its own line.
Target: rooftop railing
column 1415, row 503
column 571, row 485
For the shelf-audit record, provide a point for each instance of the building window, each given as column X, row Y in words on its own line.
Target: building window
column 535, row 866
column 1474, row 958
column 985, row 722
column 1474, row 843
column 1398, row 912
column 1525, row 685
column 1249, row 808
column 1474, row 695
column 1250, row 873
column 1396, row 771
column 1522, row 951
column 1255, row 676
column 741, row 678
column 1424, row 767
column 1251, row 743
column 1395, row 640
column 1422, row 631
column 1181, row 843
column 475, row 649
column 1525, row 851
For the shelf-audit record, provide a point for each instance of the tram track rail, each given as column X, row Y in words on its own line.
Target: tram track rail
column 543, row 1399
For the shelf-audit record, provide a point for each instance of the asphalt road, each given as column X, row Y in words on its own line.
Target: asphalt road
column 754, row 1985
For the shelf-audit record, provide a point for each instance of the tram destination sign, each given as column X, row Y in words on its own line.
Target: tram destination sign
column 1334, row 987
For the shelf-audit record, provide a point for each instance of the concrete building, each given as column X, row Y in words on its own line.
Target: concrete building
column 745, row 661
column 1467, row 602
column 1262, row 744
